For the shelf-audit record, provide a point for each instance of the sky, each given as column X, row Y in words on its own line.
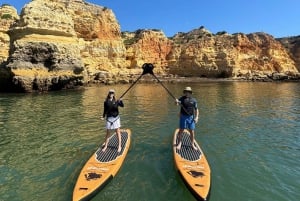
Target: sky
column 279, row 18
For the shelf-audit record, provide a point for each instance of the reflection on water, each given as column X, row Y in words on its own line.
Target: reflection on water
column 249, row 132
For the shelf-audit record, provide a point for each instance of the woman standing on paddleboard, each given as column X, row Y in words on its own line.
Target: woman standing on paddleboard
column 188, row 115
column 111, row 113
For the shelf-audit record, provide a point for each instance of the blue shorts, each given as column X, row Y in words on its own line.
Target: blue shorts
column 186, row 122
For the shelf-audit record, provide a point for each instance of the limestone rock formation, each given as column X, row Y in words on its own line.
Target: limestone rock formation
column 200, row 53
column 45, row 51
column 292, row 45
column 57, row 44
column 8, row 16
column 101, row 46
column 147, row 46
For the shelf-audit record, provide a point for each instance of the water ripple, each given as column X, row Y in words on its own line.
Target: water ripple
column 248, row 131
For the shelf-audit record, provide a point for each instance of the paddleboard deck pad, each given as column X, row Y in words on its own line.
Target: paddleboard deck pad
column 101, row 167
column 192, row 166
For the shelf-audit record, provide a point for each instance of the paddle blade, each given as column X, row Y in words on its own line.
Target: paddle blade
column 147, row 68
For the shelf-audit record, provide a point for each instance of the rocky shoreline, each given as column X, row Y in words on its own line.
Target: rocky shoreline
column 175, row 79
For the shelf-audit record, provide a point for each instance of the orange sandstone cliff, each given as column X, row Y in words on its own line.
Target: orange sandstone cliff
column 61, row 44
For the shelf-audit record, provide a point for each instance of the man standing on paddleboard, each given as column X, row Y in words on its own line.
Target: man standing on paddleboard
column 111, row 112
column 188, row 115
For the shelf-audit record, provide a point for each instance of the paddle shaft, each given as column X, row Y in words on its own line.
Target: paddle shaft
column 131, row 85
column 164, row 87
column 147, row 68
column 169, row 92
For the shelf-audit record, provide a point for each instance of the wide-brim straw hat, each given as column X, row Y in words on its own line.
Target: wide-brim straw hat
column 189, row 89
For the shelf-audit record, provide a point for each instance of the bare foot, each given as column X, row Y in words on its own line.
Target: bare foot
column 178, row 146
column 104, row 148
column 119, row 149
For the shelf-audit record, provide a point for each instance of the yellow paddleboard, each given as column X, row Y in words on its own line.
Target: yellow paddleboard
column 101, row 167
column 192, row 166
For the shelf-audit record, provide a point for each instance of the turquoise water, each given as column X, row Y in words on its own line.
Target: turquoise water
column 248, row 131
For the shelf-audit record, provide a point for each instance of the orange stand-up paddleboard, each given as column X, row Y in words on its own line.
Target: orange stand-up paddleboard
column 192, row 166
column 101, row 167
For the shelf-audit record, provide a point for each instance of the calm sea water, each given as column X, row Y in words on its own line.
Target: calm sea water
column 250, row 133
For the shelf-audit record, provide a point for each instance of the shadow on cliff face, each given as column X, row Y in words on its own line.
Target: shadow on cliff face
column 57, row 83
column 9, row 82
column 224, row 74
column 6, row 80
column 40, row 67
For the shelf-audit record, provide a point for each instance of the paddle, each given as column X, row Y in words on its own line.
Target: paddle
column 146, row 69
column 150, row 66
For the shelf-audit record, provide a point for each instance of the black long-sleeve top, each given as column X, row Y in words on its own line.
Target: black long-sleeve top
column 111, row 108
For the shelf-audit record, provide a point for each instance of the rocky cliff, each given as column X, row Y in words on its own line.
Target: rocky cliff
column 8, row 16
column 292, row 45
column 56, row 44
column 201, row 53
column 147, row 45
column 63, row 44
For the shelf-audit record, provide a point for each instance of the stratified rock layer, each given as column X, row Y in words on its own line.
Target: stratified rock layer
column 8, row 16
column 200, row 53
column 57, row 44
